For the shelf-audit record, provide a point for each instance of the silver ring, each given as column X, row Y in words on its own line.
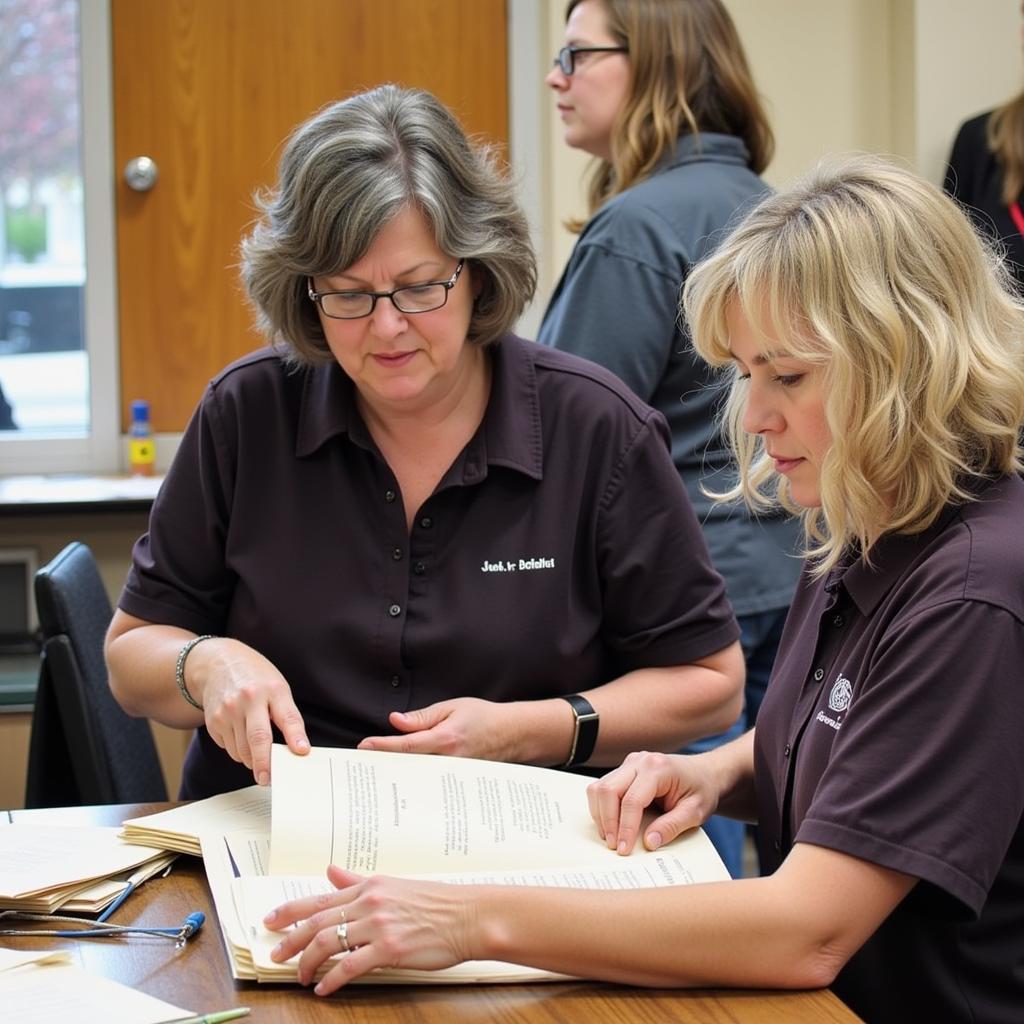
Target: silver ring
column 343, row 936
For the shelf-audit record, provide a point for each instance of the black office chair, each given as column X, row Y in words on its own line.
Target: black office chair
column 84, row 749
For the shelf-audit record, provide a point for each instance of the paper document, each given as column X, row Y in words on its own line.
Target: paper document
column 180, row 827
column 457, row 820
column 43, row 867
column 44, row 993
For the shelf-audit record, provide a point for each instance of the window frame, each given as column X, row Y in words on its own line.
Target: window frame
column 99, row 451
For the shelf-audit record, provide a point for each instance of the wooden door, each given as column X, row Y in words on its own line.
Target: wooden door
column 209, row 89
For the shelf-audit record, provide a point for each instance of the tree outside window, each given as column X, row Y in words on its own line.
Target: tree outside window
column 43, row 366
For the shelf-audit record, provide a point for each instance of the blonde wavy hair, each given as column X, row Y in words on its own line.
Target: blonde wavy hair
column 876, row 276
column 688, row 73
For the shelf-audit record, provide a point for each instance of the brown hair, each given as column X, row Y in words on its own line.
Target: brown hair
column 688, row 73
column 1006, row 140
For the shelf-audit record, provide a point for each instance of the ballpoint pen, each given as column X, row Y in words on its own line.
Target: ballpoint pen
column 216, row 1018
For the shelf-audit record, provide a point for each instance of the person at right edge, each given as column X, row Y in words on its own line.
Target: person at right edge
column 986, row 174
column 660, row 92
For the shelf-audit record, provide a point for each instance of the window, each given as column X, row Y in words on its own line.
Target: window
column 59, row 410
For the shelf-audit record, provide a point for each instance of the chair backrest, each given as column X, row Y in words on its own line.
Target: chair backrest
column 111, row 756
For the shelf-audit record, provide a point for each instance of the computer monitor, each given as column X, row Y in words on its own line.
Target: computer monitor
column 19, row 625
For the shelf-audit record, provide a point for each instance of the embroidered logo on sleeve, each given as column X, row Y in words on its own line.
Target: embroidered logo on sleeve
column 838, row 701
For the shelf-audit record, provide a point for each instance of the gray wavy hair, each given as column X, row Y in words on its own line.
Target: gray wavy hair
column 344, row 174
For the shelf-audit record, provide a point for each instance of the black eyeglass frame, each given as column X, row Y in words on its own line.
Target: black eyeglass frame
column 566, row 59
column 448, row 285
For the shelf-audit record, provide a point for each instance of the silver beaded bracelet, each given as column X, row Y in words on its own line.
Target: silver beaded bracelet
column 179, row 671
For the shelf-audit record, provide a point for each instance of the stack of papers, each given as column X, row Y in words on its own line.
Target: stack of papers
column 180, row 828
column 45, row 868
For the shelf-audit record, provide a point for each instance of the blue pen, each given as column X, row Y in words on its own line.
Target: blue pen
column 132, row 883
column 122, row 896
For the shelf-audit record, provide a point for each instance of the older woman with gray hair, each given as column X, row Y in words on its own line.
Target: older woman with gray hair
column 400, row 526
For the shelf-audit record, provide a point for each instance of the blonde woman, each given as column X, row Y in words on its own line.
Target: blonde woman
column 877, row 364
column 659, row 92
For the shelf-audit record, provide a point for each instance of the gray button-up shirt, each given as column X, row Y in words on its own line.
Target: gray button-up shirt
column 617, row 303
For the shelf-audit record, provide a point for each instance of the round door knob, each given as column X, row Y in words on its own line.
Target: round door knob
column 141, row 173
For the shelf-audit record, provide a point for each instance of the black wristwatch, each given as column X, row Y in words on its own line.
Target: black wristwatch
column 584, row 734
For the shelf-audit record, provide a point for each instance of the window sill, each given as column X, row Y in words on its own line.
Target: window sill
column 77, row 492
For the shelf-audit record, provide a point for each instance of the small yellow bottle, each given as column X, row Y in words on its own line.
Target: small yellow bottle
column 141, row 448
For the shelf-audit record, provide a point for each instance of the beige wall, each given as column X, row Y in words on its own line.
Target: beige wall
column 888, row 76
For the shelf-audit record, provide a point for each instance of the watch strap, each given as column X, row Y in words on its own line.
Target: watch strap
column 585, row 725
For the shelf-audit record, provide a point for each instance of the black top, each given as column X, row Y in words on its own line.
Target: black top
column 975, row 177
column 893, row 731
column 558, row 552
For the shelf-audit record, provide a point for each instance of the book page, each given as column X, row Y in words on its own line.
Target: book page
column 256, row 896
column 43, row 993
column 381, row 812
column 225, row 858
column 37, row 858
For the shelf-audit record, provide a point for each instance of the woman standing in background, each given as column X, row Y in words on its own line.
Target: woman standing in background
column 986, row 174
column 660, row 92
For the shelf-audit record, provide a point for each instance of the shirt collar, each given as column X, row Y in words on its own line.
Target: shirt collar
column 327, row 408
column 891, row 556
column 706, row 146
column 510, row 435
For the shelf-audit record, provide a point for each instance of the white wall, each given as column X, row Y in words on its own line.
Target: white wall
column 968, row 59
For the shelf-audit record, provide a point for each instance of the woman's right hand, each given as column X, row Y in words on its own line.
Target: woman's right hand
column 684, row 786
column 242, row 694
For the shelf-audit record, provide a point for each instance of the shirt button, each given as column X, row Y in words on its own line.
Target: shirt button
column 786, row 750
column 819, row 674
column 839, row 622
column 389, row 495
column 419, row 568
column 426, row 522
column 396, row 554
column 395, row 681
column 395, row 610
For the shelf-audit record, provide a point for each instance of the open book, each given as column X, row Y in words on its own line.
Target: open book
column 452, row 819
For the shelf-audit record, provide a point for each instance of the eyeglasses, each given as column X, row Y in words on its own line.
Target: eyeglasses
column 566, row 58
column 416, row 298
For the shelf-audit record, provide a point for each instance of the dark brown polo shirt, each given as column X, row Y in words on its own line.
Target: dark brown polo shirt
column 893, row 730
column 558, row 552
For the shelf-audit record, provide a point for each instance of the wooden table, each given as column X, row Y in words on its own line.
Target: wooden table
column 197, row 977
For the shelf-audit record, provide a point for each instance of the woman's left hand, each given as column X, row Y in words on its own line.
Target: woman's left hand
column 462, row 727
column 388, row 922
